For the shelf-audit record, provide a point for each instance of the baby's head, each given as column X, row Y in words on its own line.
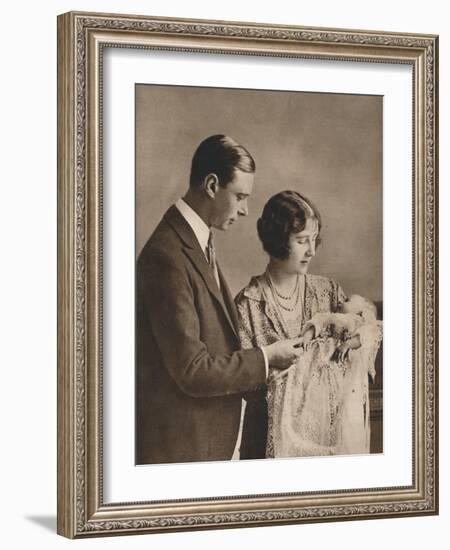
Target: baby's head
column 361, row 306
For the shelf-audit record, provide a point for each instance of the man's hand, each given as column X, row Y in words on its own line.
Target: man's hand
column 283, row 354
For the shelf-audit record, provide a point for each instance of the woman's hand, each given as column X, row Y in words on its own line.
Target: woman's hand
column 343, row 349
column 341, row 353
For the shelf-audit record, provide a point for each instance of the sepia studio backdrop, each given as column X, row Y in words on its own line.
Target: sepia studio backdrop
column 326, row 146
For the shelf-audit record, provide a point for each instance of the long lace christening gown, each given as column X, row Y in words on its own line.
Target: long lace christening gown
column 316, row 407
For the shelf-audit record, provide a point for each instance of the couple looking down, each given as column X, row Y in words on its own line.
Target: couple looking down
column 290, row 344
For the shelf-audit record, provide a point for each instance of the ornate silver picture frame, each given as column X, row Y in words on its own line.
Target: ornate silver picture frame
column 85, row 505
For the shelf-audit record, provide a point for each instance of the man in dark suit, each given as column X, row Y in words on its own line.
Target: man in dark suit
column 190, row 370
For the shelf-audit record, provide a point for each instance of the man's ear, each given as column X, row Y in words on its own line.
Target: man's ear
column 211, row 185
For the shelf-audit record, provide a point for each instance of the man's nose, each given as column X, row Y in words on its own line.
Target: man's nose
column 243, row 210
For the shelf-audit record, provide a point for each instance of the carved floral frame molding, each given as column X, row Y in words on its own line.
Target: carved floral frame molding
column 81, row 38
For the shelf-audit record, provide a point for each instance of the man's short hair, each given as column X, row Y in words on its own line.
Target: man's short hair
column 220, row 155
column 284, row 214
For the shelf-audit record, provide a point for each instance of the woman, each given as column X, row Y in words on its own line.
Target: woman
column 303, row 411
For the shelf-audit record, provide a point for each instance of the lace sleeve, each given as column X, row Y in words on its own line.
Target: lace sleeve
column 246, row 333
column 370, row 335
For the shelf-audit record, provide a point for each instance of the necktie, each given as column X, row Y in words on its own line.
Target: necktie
column 211, row 256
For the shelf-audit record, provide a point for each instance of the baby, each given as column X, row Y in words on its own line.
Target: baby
column 353, row 325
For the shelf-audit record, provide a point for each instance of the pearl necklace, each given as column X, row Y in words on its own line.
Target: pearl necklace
column 277, row 295
column 281, row 295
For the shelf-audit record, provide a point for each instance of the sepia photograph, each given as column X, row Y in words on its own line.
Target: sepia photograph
column 247, row 286
column 259, row 274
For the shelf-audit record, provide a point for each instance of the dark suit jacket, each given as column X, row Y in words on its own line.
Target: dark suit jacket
column 190, row 371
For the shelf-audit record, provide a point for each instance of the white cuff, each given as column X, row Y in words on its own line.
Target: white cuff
column 266, row 361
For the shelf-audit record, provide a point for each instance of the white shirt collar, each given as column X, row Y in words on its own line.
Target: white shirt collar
column 198, row 226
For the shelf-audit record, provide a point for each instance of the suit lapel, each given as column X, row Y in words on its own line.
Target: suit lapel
column 194, row 252
column 229, row 302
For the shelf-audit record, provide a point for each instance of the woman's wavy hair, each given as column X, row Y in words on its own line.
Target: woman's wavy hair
column 285, row 213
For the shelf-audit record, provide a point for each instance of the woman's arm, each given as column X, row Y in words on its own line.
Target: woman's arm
column 367, row 338
column 246, row 331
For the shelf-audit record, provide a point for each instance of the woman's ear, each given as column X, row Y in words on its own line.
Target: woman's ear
column 211, row 185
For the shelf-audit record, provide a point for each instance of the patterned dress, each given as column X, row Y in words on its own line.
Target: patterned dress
column 315, row 407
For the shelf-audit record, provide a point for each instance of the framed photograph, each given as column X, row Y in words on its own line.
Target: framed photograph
column 247, row 288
